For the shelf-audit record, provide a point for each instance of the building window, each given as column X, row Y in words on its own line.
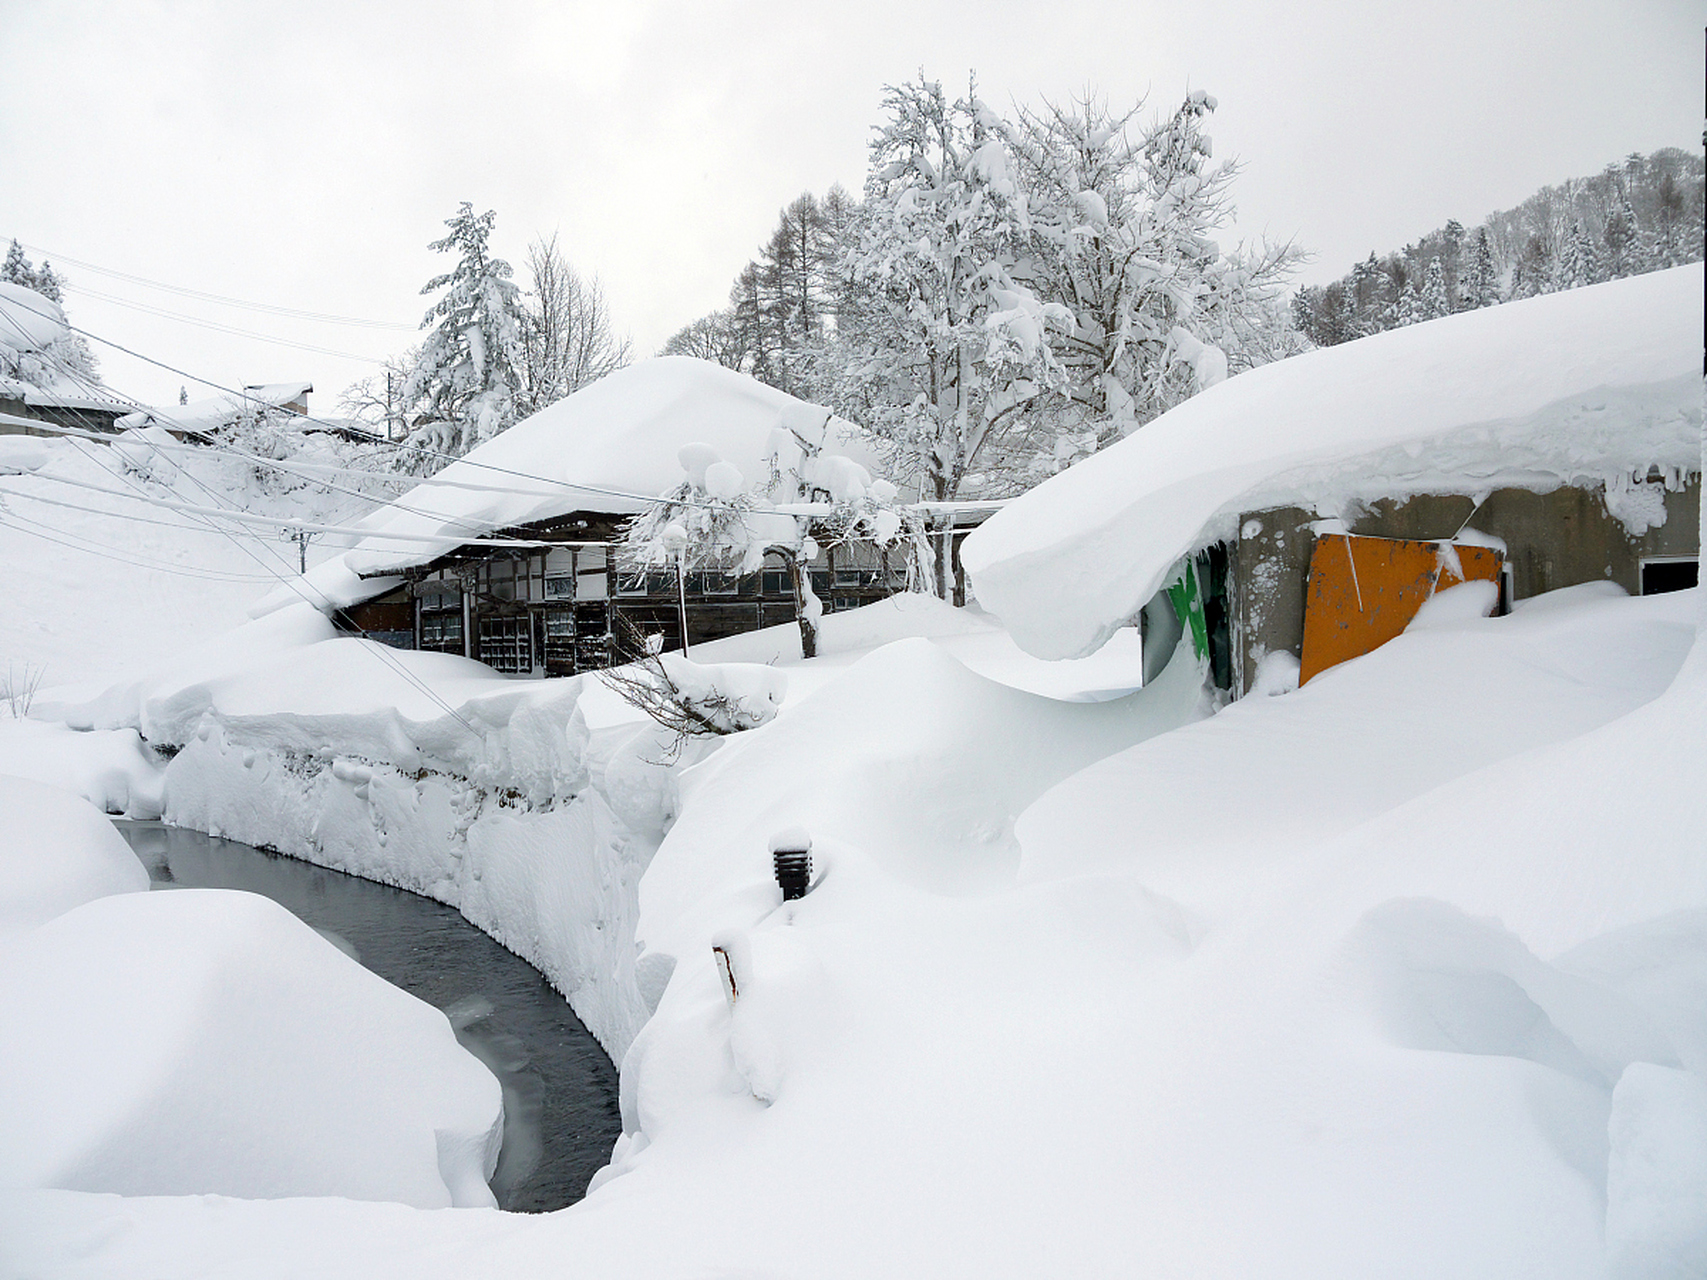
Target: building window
column 1670, row 573
column 560, row 588
column 441, row 628
column 506, row 644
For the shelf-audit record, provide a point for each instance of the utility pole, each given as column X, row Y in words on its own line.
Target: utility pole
column 682, row 600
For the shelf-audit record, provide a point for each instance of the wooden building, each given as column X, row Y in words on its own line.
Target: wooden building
column 565, row 482
column 555, row 610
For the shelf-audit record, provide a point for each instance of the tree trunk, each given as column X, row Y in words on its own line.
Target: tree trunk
column 806, row 607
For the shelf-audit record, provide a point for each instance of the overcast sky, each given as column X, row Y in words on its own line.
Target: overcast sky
column 302, row 155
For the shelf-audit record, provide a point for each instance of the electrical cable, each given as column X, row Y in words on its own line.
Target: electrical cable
column 239, row 516
column 270, row 308
column 422, row 450
column 13, row 520
column 218, row 327
column 295, row 583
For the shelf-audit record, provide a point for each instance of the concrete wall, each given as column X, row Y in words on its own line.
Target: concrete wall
column 1269, row 572
column 1553, row 540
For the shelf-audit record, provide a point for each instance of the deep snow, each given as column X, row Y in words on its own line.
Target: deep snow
column 1419, row 997
column 1403, row 973
column 1586, row 385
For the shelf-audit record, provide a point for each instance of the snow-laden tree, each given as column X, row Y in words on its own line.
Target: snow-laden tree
column 468, row 375
column 718, row 521
column 945, row 343
column 1124, row 234
column 1479, row 284
column 67, row 361
column 568, row 338
column 1435, row 301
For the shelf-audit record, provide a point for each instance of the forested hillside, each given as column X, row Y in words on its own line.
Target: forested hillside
column 1637, row 215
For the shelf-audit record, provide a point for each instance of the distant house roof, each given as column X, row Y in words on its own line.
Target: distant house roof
column 199, row 416
column 38, row 397
column 280, row 393
column 609, row 448
column 1573, row 386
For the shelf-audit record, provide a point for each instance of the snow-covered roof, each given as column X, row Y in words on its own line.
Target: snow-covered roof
column 28, row 320
column 216, row 411
column 1574, row 386
column 279, row 392
column 49, row 398
column 609, row 448
column 61, row 394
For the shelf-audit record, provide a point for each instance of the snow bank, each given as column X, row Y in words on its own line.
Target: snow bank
column 206, row 1041
column 1585, row 385
column 610, row 447
column 112, row 769
column 56, row 853
column 1310, row 765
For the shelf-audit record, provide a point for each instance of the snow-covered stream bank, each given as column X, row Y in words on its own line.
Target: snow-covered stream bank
column 560, row 1092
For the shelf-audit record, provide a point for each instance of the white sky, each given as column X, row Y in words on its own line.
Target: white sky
column 302, row 155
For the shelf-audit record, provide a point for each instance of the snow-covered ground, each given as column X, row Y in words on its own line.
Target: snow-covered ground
column 1397, row 974
column 1403, row 973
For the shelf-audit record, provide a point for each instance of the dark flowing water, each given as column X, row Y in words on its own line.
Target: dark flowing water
column 560, row 1090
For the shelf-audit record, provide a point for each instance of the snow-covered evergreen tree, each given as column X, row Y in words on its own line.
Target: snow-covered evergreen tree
column 1578, row 262
column 1409, row 308
column 1621, row 236
column 1480, row 280
column 1434, row 302
column 67, row 363
column 468, row 375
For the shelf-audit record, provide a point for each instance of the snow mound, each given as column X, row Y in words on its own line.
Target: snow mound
column 1587, row 384
column 28, row 320
column 909, row 758
column 1308, row 767
column 204, row 1041
column 20, row 455
column 57, row 852
column 111, row 769
column 610, row 447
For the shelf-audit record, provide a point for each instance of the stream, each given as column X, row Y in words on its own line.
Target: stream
column 560, row 1090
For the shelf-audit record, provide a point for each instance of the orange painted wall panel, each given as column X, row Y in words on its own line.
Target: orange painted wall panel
column 1365, row 591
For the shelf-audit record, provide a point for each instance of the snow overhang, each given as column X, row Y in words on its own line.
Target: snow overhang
column 1577, row 386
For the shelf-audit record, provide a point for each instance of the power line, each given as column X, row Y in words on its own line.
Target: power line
column 270, row 308
column 219, row 327
column 422, row 450
column 181, row 526
column 92, row 547
column 295, row 584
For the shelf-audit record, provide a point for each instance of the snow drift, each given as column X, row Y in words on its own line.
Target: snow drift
column 207, row 1041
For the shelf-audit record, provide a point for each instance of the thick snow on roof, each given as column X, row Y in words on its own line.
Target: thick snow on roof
column 610, row 447
column 28, row 321
column 215, row 411
column 1580, row 385
column 279, row 392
